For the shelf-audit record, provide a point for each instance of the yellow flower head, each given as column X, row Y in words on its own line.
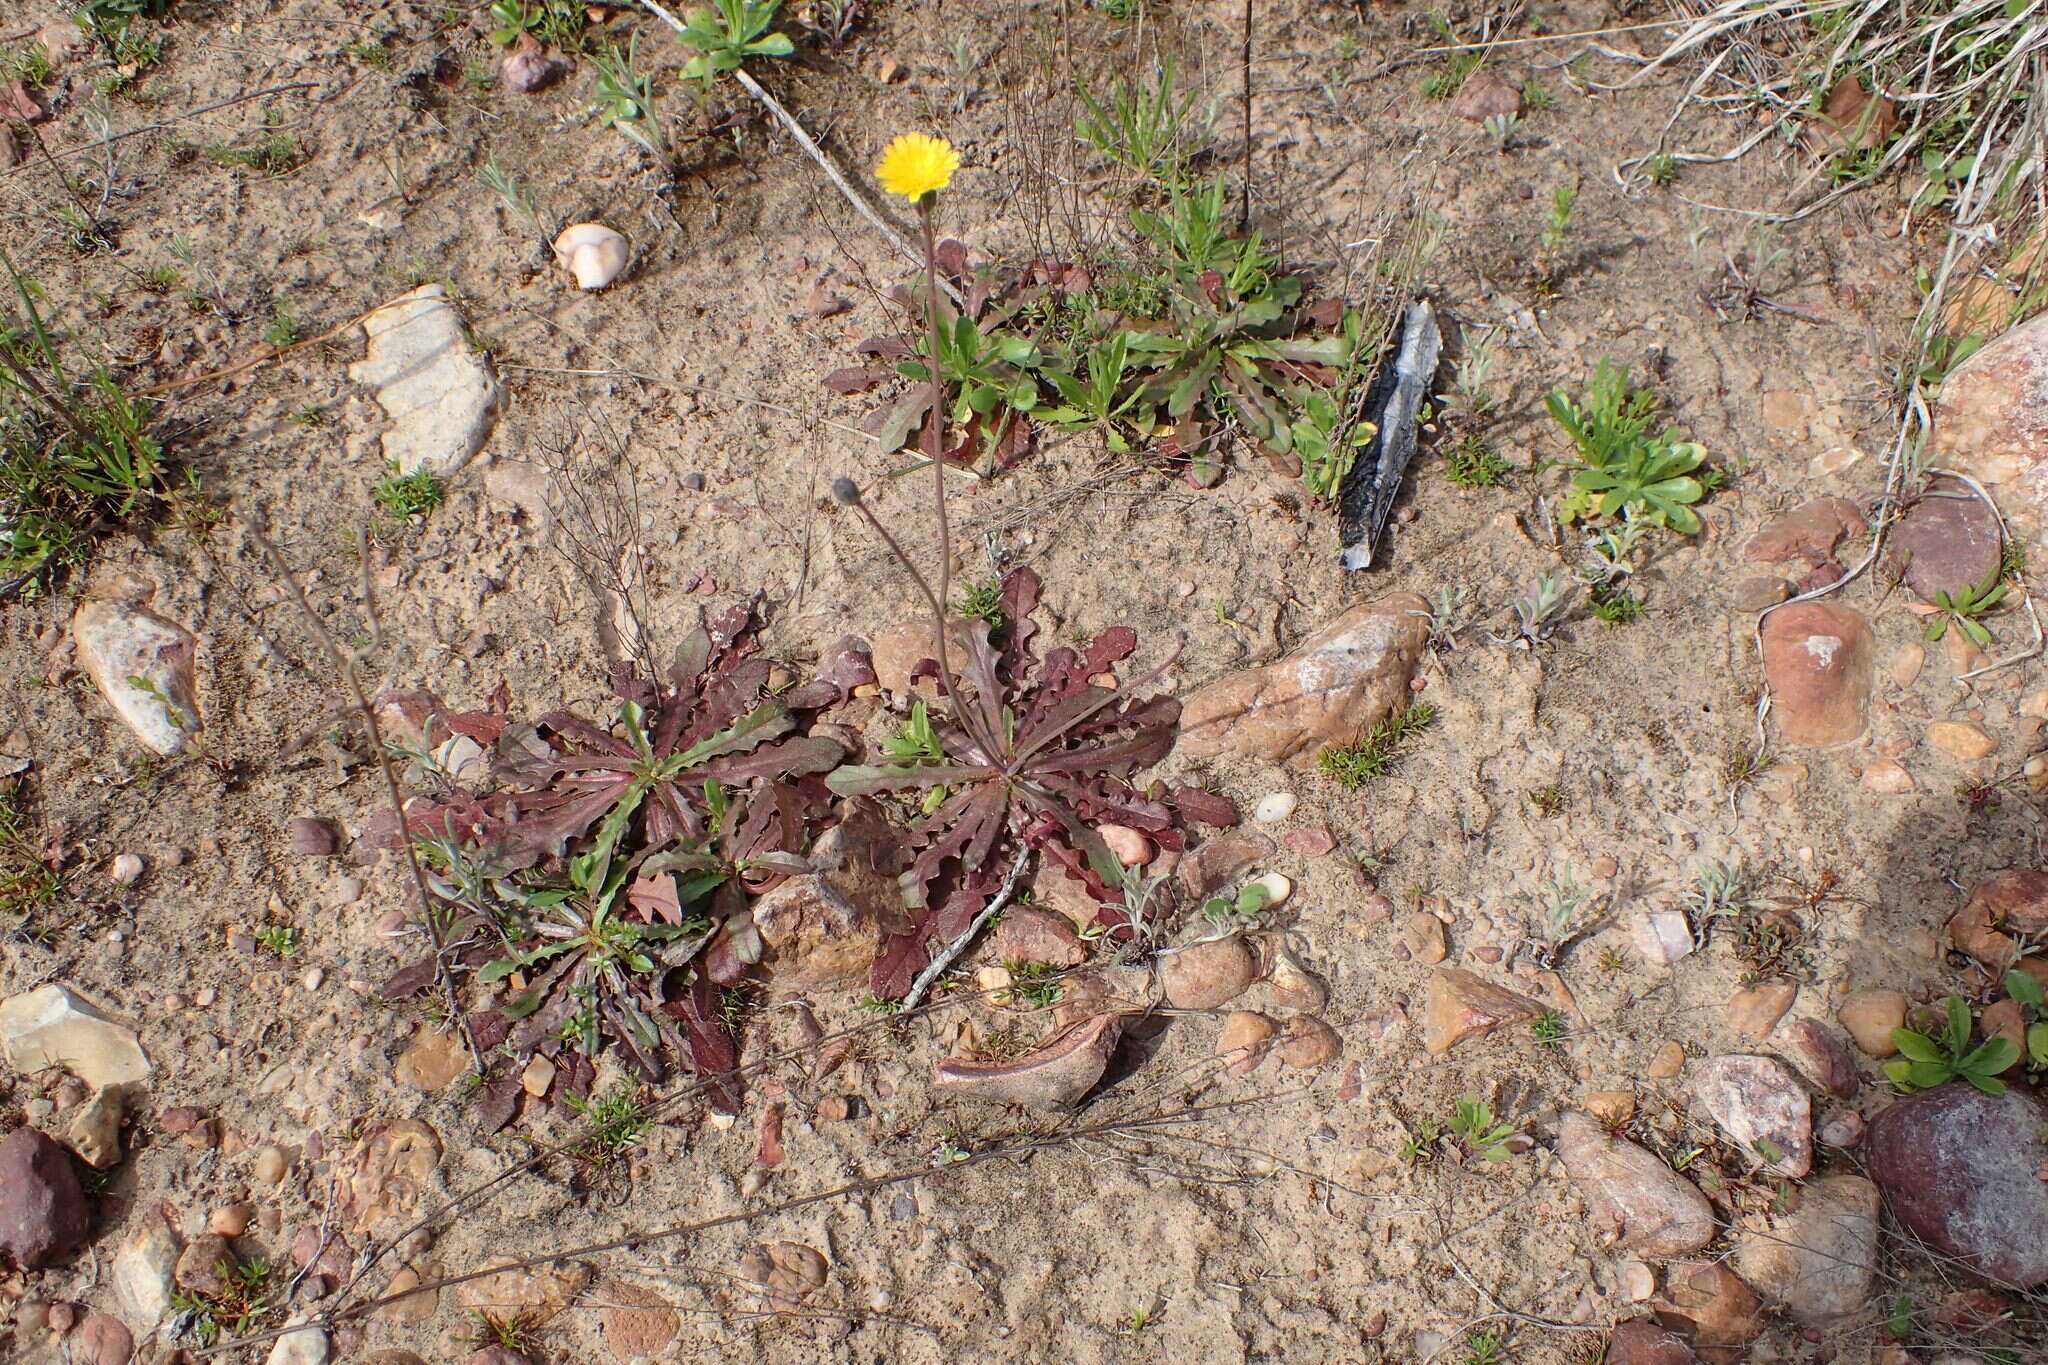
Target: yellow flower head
column 914, row 165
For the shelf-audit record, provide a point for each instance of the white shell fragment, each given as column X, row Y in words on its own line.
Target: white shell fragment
column 440, row 394
column 593, row 253
column 143, row 665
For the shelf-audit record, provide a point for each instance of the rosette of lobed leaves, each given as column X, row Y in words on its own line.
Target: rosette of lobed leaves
column 605, row 881
column 1033, row 754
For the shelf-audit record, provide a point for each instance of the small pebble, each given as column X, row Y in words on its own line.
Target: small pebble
column 314, row 978
column 204, row 997
column 1130, row 847
column 126, row 871
column 270, row 1166
column 231, row 1220
column 1275, row 807
column 1605, row 867
column 61, row 1317
column 313, row 838
column 1278, row 888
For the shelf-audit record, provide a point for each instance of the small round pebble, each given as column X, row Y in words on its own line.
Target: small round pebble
column 270, row 1165
column 1274, row 808
column 1278, row 888
column 314, row 978
column 126, row 871
column 231, row 1220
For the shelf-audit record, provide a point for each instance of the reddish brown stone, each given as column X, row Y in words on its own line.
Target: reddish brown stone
column 1339, row 683
column 1807, row 533
column 1029, row 934
column 1991, row 422
column 1465, row 1005
column 1485, row 95
column 1817, row 660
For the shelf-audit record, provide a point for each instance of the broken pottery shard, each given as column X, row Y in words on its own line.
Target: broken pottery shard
column 49, row 1026
column 1465, row 1005
column 1050, row 1077
column 143, row 665
column 1335, row 686
column 1366, row 499
column 439, row 393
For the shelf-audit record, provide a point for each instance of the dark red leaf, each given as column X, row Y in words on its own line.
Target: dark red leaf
column 409, row 980
column 489, row 1028
column 1205, row 807
column 498, row 1100
column 886, row 348
column 713, row 1054
column 857, row 378
column 1324, row 313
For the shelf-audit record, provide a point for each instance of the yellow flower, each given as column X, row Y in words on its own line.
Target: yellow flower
column 914, row 165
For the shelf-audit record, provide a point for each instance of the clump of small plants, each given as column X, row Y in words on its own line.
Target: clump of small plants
column 1472, row 463
column 78, row 458
column 408, row 497
column 1184, row 332
column 245, row 1294
column 1373, row 754
column 600, row 871
column 1963, row 608
column 1031, row 755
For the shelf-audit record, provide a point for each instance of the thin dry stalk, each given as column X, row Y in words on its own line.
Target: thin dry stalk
column 345, row 662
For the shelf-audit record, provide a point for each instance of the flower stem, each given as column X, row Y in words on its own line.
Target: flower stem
column 935, row 430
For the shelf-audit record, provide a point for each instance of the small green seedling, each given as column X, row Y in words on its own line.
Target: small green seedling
column 2027, row 992
column 1926, row 1062
column 1614, row 606
column 1965, row 605
column 982, row 601
column 1548, row 1028
column 403, row 497
column 554, row 22
column 1420, row 1145
column 281, row 939
column 1558, row 225
column 1473, row 1124
column 724, row 35
column 618, row 1121
column 1030, row 986
column 1472, row 463
column 1540, row 610
column 1234, row 915
column 918, row 742
column 1485, row 1348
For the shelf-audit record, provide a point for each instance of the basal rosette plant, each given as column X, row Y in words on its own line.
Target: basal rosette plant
column 1034, row 754
column 602, row 882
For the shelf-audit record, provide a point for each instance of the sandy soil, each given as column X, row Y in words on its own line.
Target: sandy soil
column 1282, row 1229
